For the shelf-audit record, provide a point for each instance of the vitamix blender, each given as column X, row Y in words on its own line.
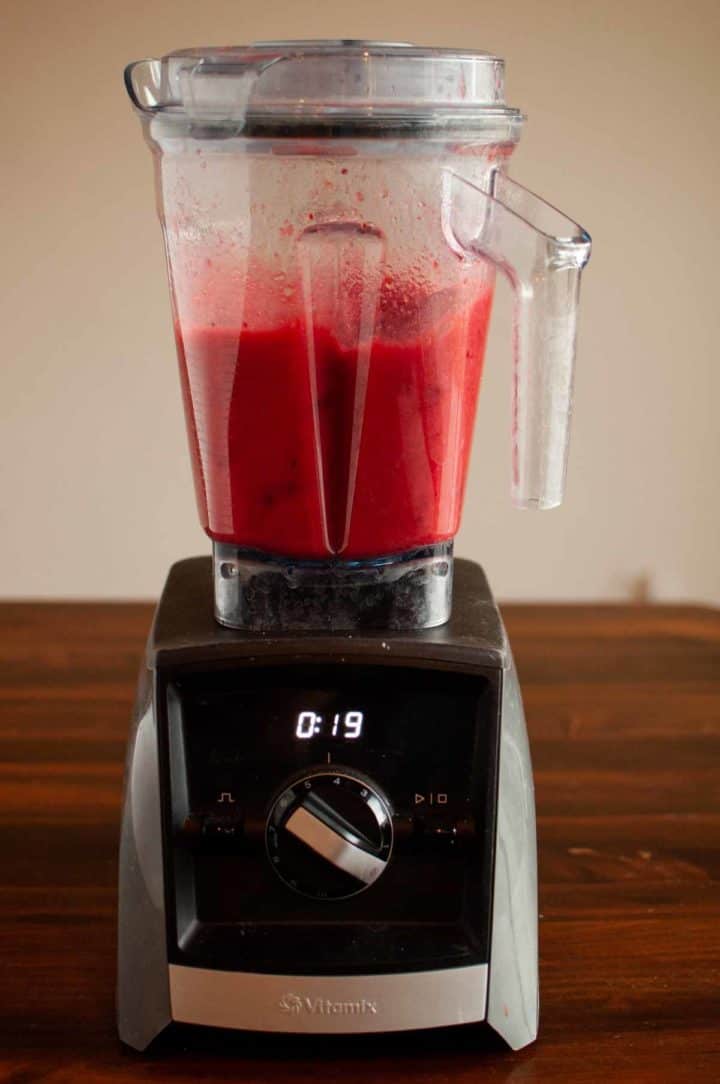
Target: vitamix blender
column 329, row 820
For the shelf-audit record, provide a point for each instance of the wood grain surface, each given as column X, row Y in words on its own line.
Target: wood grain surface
column 623, row 705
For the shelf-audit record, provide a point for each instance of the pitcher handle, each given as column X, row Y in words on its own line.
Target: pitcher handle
column 542, row 253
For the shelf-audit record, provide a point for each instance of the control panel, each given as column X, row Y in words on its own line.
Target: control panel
column 329, row 818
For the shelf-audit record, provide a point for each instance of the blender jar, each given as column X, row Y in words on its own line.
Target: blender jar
column 333, row 215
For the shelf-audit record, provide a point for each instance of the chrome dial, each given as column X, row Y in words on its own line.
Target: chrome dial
column 329, row 834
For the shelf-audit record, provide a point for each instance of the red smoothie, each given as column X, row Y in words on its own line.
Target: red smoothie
column 306, row 447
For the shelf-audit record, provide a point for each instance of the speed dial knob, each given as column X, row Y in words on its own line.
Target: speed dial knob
column 329, row 834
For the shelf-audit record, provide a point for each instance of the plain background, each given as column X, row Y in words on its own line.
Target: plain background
column 622, row 98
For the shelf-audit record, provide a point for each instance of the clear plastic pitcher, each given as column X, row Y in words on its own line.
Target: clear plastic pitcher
column 334, row 213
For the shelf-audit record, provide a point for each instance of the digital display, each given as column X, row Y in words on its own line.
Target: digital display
column 345, row 725
column 412, row 731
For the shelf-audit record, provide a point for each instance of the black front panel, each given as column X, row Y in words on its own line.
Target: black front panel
column 238, row 738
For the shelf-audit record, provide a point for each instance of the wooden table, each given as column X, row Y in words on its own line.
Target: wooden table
column 624, row 712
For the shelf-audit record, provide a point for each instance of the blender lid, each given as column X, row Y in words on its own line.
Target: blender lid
column 323, row 83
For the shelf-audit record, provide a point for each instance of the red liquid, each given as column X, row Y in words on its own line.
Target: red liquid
column 307, row 448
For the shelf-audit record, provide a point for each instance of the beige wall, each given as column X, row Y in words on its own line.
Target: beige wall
column 623, row 135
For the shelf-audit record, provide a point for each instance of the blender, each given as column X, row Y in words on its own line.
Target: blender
column 328, row 823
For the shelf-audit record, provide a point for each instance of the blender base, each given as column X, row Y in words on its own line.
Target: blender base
column 210, row 935
column 262, row 592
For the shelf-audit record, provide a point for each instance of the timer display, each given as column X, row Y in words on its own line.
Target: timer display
column 345, row 725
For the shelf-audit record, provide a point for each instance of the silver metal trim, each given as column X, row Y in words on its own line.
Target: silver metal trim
column 333, row 847
column 513, row 989
column 328, row 1004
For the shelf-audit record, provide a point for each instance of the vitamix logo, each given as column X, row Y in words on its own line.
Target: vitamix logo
column 291, row 1003
column 294, row 1005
